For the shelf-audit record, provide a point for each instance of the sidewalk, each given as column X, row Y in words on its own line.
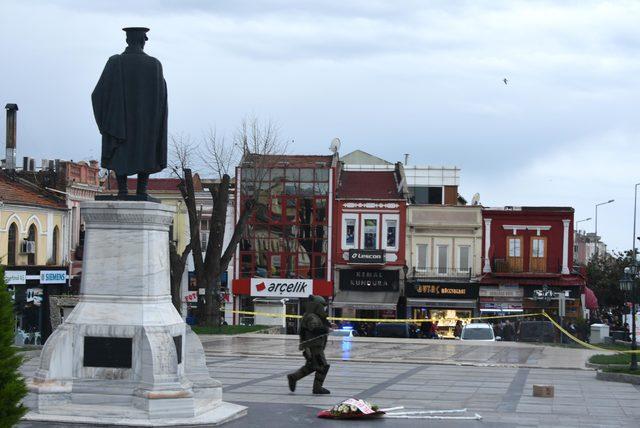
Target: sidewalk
column 500, row 354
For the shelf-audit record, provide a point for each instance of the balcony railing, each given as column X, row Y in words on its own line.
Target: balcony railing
column 533, row 265
column 442, row 273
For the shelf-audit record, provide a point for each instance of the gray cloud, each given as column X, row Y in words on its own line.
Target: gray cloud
column 390, row 77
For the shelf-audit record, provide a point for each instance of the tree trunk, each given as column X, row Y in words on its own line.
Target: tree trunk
column 177, row 264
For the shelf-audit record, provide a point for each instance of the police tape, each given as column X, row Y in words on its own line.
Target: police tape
column 586, row 344
column 464, row 319
column 388, row 320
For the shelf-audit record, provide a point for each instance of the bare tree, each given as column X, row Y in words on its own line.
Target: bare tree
column 253, row 142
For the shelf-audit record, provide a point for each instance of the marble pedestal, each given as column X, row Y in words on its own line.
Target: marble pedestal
column 124, row 356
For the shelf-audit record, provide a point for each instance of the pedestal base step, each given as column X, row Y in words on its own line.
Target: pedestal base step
column 129, row 416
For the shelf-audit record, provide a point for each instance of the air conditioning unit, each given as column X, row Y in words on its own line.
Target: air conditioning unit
column 28, row 247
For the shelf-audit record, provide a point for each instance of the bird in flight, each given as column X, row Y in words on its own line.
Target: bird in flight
column 505, row 80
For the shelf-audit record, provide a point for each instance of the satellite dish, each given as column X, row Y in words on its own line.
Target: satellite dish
column 476, row 199
column 335, row 145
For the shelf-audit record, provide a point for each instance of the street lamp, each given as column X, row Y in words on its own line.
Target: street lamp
column 627, row 284
column 580, row 221
column 596, row 237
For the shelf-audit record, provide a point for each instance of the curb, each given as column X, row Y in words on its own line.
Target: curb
column 618, row 377
column 390, row 361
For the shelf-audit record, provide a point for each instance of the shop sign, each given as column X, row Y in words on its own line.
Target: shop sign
column 502, row 291
column 191, row 297
column 500, row 306
column 369, row 280
column 281, row 287
column 15, row 277
column 53, row 277
column 366, row 257
column 444, row 291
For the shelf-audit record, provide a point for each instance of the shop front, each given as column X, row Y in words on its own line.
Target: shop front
column 31, row 288
column 551, row 299
column 444, row 302
column 530, row 297
column 366, row 293
column 271, row 298
column 504, row 299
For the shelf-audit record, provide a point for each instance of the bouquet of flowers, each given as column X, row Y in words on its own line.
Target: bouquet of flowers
column 351, row 408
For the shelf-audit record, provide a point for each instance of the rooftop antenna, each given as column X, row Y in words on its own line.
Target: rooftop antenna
column 335, row 145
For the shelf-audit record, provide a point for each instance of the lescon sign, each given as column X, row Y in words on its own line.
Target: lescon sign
column 363, row 257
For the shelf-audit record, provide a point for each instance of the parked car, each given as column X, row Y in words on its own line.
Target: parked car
column 537, row 331
column 478, row 331
column 392, row 329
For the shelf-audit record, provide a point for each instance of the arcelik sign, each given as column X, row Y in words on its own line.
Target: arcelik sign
column 281, row 287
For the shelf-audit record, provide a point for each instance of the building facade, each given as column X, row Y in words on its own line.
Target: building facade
column 283, row 255
column 33, row 239
column 369, row 242
column 444, row 249
column 527, row 261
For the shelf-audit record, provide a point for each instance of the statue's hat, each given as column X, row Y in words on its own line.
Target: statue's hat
column 134, row 30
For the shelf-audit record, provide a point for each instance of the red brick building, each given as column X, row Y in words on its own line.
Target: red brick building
column 528, row 250
column 284, row 254
column 369, row 242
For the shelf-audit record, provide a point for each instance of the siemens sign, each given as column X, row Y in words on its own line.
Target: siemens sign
column 53, row 277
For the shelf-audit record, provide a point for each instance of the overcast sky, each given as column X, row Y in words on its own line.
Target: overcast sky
column 387, row 77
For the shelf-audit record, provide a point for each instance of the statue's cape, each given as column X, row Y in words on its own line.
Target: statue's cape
column 130, row 108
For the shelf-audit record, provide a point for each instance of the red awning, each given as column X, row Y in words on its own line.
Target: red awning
column 590, row 299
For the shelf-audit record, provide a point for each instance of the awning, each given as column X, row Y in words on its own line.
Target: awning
column 442, row 303
column 590, row 299
column 366, row 299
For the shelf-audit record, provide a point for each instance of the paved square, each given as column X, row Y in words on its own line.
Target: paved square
column 502, row 395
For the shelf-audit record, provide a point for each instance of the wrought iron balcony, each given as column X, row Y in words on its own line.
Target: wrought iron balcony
column 440, row 273
column 532, row 265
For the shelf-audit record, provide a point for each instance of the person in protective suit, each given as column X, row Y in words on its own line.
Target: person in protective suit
column 314, row 329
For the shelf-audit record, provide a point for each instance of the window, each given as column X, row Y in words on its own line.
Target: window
column 421, row 252
column 370, row 233
column 426, row 195
column 33, row 233
column 514, row 254
column 13, row 244
column 537, row 247
column 349, row 234
column 463, row 258
column 443, row 259
column 54, row 248
column 391, row 232
column 515, row 245
column 538, row 262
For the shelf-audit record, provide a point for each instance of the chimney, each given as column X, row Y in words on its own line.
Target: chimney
column 25, row 163
column 406, row 159
column 12, row 114
column 45, row 164
column 32, row 164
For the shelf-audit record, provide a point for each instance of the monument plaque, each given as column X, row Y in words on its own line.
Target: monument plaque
column 107, row 352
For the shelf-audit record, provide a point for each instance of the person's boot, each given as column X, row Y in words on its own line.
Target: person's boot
column 122, row 186
column 143, row 181
column 319, row 380
column 292, row 382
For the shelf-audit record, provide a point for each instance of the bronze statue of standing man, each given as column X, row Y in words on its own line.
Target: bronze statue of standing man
column 130, row 108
